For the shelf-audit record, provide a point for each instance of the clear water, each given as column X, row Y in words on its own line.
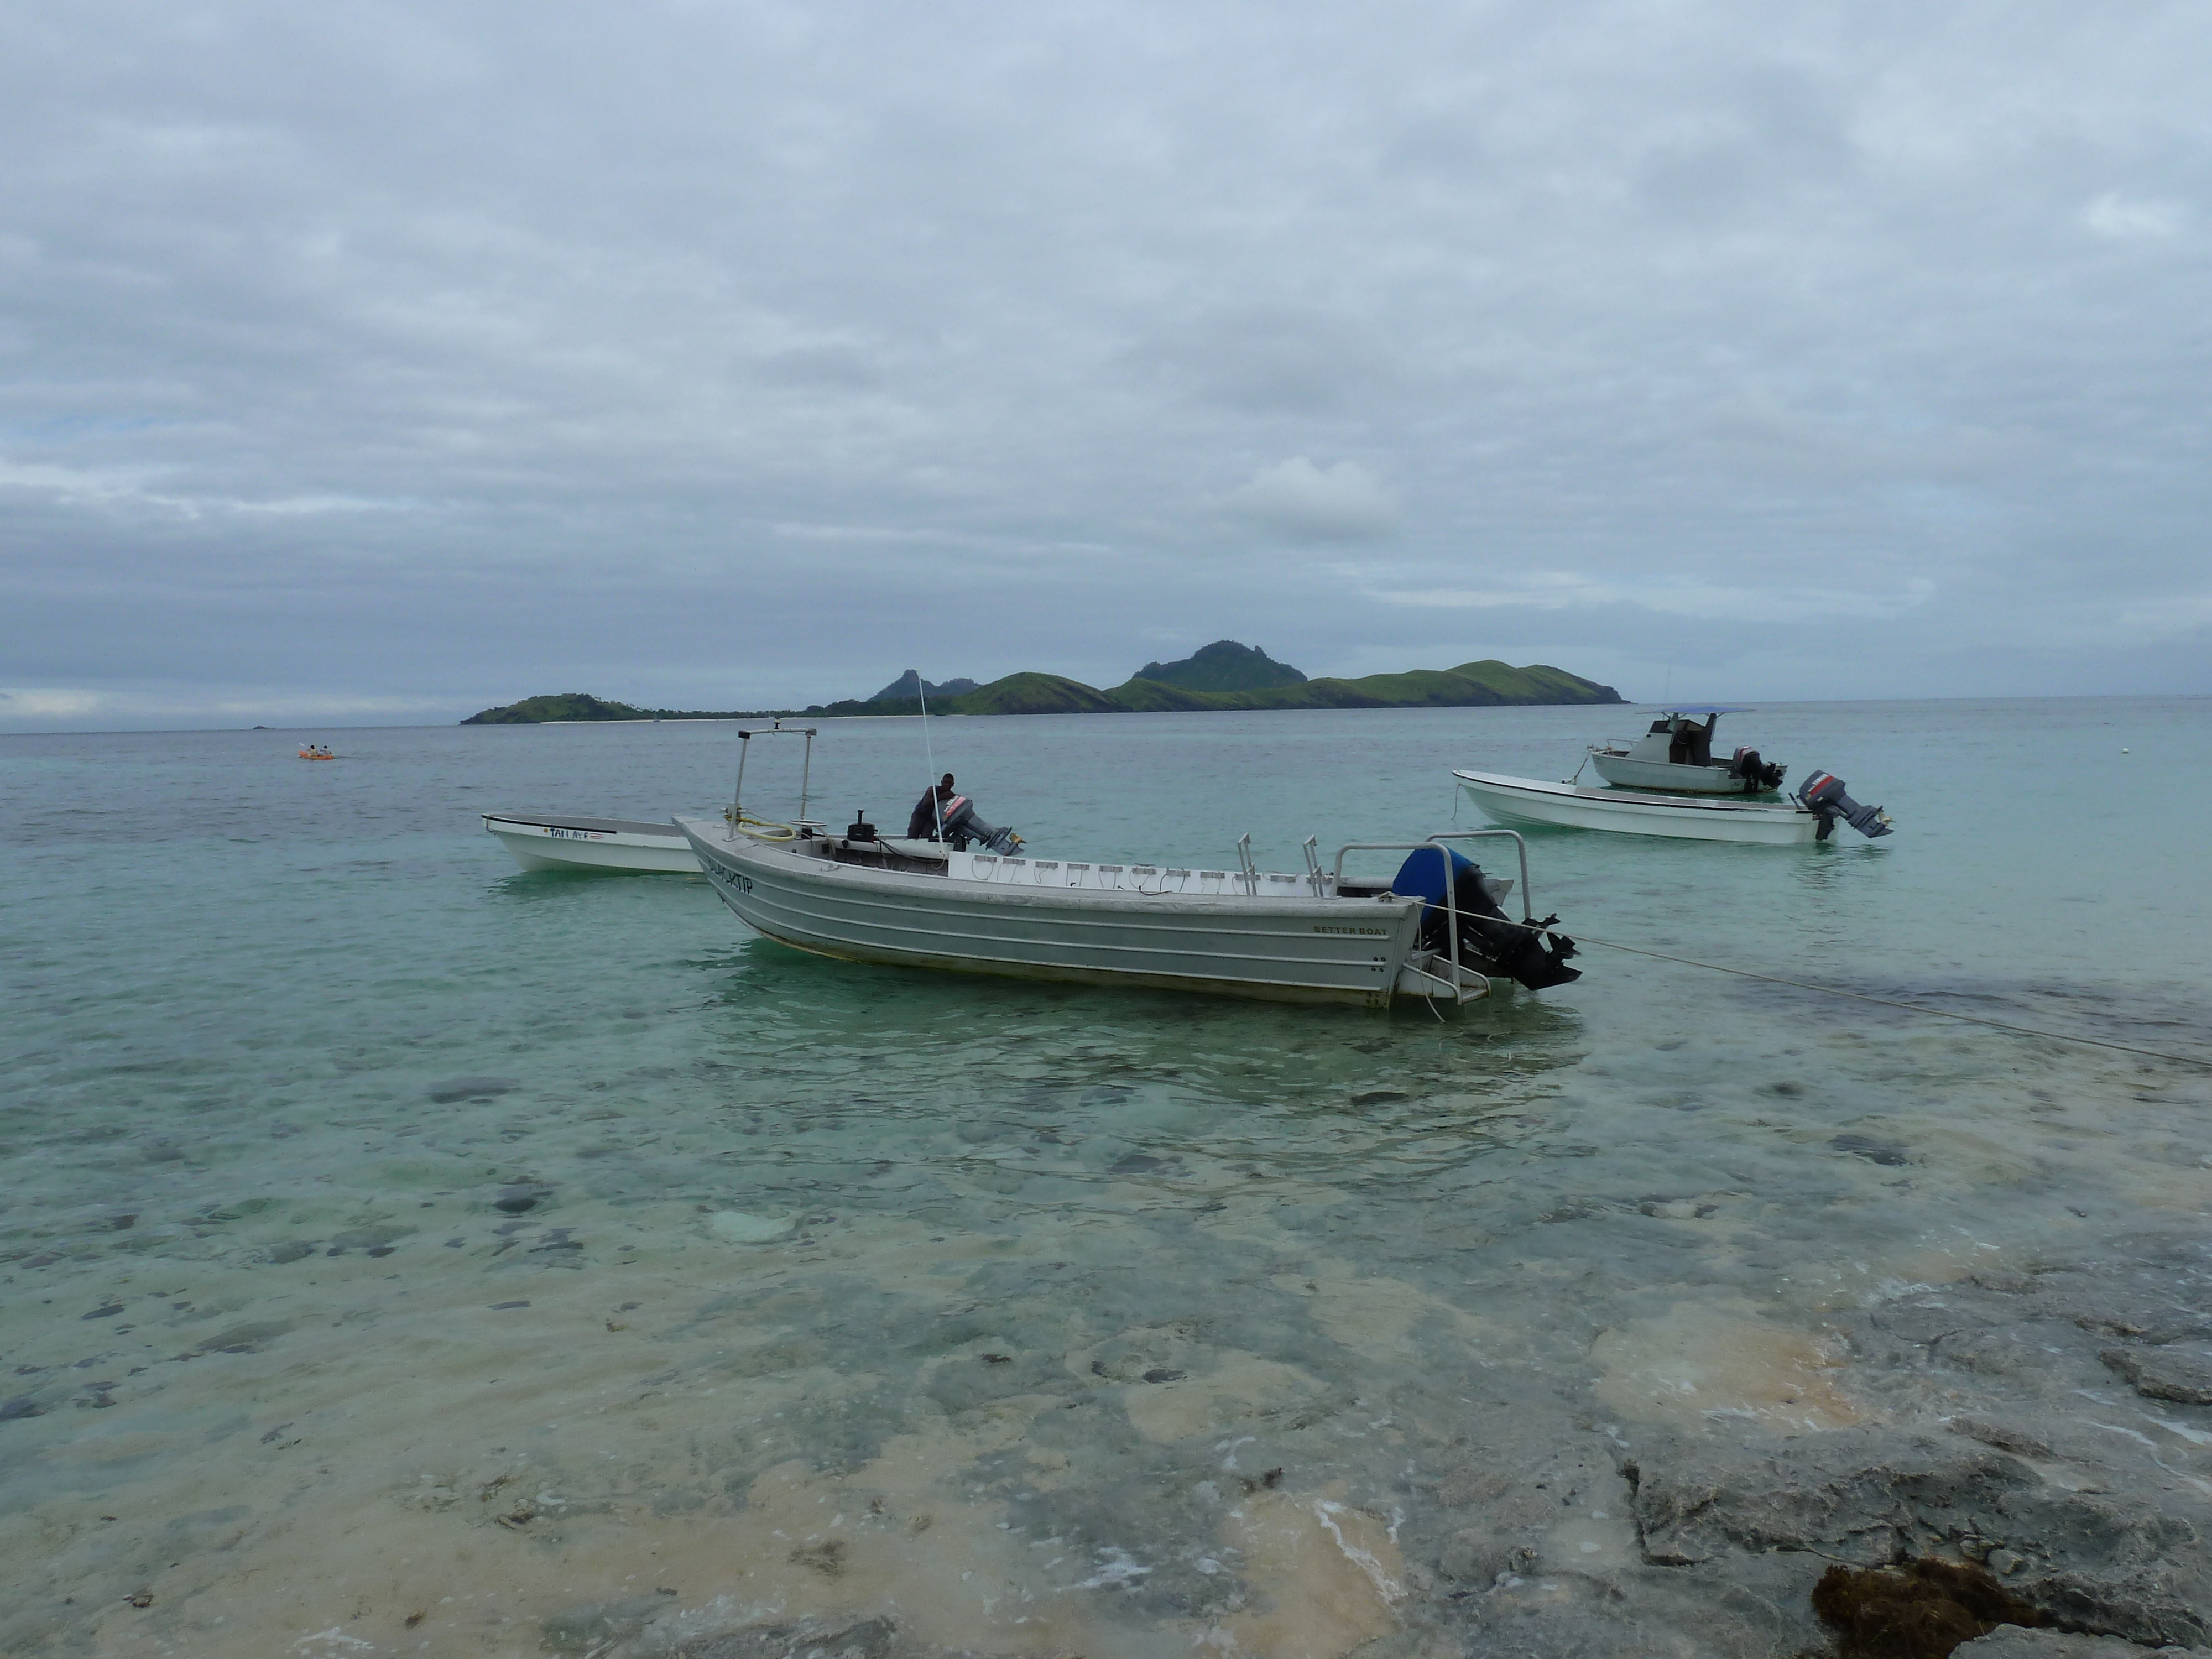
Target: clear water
column 830, row 1288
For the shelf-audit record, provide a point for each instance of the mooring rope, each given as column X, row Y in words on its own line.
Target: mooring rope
column 1890, row 1002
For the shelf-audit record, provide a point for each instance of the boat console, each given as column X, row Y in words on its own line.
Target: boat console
column 1676, row 754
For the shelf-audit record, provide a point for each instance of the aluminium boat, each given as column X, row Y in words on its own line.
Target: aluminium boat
column 1316, row 936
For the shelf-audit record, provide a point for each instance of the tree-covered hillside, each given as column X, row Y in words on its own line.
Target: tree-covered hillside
column 1472, row 684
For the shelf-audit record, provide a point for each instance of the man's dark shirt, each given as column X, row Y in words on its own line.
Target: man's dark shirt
column 921, row 823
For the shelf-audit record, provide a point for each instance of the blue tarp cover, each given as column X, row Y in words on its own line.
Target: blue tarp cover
column 1423, row 873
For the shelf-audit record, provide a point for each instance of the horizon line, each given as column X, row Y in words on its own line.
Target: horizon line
column 1453, row 708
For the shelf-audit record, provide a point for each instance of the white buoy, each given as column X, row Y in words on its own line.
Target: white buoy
column 2127, row 751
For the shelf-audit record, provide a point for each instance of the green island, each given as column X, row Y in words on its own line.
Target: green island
column 1221, row 676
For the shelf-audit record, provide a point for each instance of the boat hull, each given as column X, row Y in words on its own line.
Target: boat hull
column 597, row 845
column 1527, row 801
column 1306, row 949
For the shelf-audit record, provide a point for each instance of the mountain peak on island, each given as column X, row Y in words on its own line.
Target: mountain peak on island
column 1224, row 666
column 910, row 686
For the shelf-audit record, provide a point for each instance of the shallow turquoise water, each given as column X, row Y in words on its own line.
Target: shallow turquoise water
column 766, row 1215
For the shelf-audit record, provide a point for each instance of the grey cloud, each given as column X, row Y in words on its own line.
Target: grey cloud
column 1272, row 360
column 709, row 354
column 1766, row 132
column 1306, row 502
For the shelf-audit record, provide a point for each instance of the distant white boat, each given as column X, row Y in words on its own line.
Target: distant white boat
column 565, row 841
column 1625, row 811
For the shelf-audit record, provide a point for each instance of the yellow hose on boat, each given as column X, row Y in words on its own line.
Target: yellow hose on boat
column 761, row 829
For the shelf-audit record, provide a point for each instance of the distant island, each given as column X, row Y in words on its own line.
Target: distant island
column 565, row 707
column 1223, row 675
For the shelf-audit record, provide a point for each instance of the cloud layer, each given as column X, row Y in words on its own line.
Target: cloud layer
column 399, row 359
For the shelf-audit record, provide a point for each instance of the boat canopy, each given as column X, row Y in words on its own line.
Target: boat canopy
column 1708, row 708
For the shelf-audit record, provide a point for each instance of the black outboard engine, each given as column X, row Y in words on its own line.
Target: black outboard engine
column 1527, row 951
column 962, row 826
column 1823, row 792
column 859, row 829
column 1758, row 776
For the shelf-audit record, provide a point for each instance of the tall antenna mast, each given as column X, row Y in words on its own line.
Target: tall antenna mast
column 936, row 801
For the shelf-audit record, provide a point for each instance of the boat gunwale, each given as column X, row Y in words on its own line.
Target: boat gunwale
column 1132, row 900
column 638, row 829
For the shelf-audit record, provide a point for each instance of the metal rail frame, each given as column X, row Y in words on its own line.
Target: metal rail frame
column 806, row 771
column 1527, row 898
column 1451, row 895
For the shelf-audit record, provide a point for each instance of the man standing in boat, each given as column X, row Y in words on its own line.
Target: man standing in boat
column 940, row 815
column 927, row 818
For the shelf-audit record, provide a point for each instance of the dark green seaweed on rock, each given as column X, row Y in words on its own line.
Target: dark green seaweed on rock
column 1922, row 1610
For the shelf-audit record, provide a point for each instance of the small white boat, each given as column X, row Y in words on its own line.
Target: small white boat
column 565, row 841
column 1316, row 936
column 1677, row 754
column 1779, row 823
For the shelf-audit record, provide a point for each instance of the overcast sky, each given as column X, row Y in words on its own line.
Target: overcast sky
column 379, row 362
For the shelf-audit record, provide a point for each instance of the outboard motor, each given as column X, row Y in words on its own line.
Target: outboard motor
column 1757, row 775
column 1823, row 792
column 962, row 826
column 1527, row 951
column 859, row 829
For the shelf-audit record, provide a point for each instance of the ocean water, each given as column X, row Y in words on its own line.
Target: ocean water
column 401, row 1253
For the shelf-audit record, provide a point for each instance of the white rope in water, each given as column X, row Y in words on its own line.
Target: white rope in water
column 1889, row 1002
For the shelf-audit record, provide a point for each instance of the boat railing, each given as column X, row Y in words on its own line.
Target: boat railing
column 1251, row 870
column 805, row 770
column 1521, row 847
column 1451, row 899
column 1451, row 895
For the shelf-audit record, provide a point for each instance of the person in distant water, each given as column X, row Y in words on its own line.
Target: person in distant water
column 922, row 823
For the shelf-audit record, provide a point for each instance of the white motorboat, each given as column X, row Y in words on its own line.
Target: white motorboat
column 1810, row 817
column 565, row 841
column 1530, row 800
column 1677, row 754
